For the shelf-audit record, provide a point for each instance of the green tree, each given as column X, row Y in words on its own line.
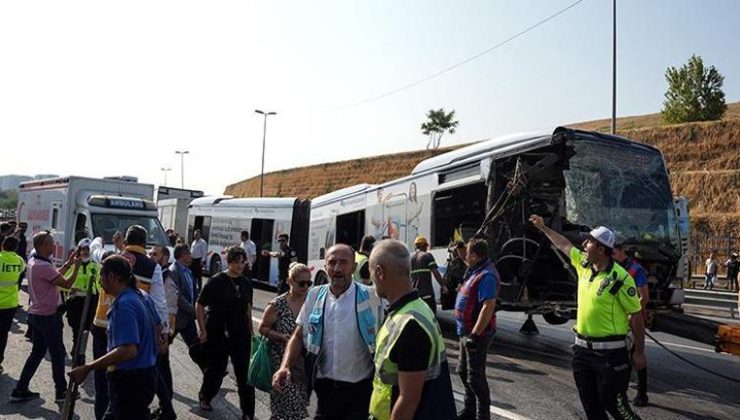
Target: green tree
column 694, row 93
column 8, row 199
column 437, row 124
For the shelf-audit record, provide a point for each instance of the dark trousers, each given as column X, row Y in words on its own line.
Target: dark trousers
column 189, row 334
column 641, row 377
column 47, row 335
column 100, row 348
column 238, row 349
column 338, row 400
column 75, row 305
column 164, row 386
column 197, row 271
column 6, row 321
column 602, row 378
column 472, row 372
column 283, row 285
column 131, row 391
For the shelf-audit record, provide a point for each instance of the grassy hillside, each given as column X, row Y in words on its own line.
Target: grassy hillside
column 703, row 158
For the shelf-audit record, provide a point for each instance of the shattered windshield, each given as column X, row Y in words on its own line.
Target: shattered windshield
column 622, row 186
column 105, row 225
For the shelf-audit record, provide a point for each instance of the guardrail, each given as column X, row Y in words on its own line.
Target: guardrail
column 720, row 302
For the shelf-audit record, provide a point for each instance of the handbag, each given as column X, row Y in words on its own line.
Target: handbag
column 260, row 369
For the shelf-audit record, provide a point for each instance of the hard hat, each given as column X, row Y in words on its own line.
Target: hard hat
column 420, row 240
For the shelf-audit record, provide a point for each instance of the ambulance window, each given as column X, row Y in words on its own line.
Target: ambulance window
column 81, row 230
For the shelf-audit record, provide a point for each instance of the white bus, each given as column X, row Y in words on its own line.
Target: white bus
column 575, row 179
column 222, row 219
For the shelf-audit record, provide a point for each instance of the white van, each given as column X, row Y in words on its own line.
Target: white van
column 77, row 207
column 222, row 219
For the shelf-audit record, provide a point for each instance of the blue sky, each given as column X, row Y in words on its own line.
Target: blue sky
column 114, row 88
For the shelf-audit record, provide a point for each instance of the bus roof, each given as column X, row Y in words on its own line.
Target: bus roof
column 230, row 201
column 335, row 195
column 481, row 149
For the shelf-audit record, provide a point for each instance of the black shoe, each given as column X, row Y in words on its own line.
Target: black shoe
column 61, row 396
column 641, row 400
column 23, row 396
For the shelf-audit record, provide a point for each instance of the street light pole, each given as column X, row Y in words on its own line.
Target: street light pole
column 264, row 136
column 165, row 170
column 614, row 66
column 182, row 166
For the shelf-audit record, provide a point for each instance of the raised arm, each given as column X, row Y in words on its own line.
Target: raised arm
column 561, row 242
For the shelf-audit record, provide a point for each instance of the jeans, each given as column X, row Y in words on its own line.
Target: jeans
column 709, row 280
column 47, row 335
column 342, row 400
column 131, row 391
column 602, row 378
column 6, row 321
column 100, row 348
column 472, row 372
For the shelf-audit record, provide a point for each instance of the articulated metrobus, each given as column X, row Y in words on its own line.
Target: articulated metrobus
column 575, row 179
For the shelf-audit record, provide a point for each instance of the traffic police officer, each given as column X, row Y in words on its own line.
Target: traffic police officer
column 607, row 297
column 88, row 272
column 11, row 267
column 412, row 376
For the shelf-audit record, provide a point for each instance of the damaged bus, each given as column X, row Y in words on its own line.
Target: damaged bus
column 575, row 179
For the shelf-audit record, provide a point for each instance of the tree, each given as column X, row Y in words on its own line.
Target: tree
column 437, row 124
column 694, row 93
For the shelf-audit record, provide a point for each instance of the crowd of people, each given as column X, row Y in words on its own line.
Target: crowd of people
column 367, row 343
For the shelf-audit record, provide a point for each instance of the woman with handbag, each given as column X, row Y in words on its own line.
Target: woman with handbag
column 277, row 325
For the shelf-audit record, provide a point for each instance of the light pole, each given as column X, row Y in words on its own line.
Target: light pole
column 614, row 66
column 182, row 166
column 264, row 135
column 165, row 170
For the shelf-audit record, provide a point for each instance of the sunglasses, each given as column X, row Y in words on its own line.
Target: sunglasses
column 304, row 283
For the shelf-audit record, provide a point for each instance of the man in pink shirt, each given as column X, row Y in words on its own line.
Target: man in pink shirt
column 43, row 315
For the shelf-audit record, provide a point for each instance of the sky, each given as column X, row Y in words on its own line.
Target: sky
column 115, row 88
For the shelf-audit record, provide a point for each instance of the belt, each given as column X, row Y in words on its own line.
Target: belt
column 600, row 345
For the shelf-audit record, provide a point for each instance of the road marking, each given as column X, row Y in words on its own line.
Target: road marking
column 684, row 346
column 494, row 410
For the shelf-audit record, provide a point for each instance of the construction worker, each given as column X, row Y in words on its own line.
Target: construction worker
column 423, row 267
column 412, row 376
column 362, row 273
column 638, row 273
column 75, row 295
column 608, row 306
column 11, row 268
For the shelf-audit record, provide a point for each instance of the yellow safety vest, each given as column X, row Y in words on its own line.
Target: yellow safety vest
column 89, row 271
column 360, row 259
column 386, row 372
column 11, row 267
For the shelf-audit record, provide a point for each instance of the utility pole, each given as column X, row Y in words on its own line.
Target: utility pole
column 264, row 136
column 182, row 166
column 165, row 170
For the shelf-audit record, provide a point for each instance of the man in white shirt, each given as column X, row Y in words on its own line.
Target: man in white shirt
column 337, row 326
column 198, row 253
column 250, row 248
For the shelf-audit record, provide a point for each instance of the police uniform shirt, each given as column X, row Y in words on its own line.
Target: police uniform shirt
column 285, row 257
column 605, row 299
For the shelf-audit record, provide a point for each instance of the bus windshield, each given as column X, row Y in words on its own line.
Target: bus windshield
column 105, row 225
column 624, row 187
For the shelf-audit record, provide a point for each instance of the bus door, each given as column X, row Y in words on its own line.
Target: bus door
column 261, row 234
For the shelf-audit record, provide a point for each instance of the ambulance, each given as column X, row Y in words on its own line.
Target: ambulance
column 76, row 207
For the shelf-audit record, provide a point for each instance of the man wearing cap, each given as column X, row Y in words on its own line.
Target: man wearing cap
column 607, row 297
column 423, row 267
column 87, row 274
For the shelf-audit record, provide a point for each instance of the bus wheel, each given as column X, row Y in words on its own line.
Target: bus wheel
column 321, row 278
column 215, row 266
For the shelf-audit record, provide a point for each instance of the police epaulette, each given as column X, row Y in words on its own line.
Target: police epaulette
column 617, row 284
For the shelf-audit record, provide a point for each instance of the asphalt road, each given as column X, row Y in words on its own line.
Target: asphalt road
column 529, row 376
